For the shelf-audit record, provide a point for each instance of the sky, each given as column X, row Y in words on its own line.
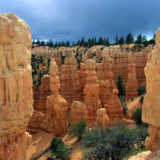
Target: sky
column 63, row 20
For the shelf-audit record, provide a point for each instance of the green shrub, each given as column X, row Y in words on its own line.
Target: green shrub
column 114, row 143
column 78, row 129
column 142, row 99
column 137, row 116
column 124, row 106
column 141, row 90
column 59, row 150
column 142, row 133
column 121, row 87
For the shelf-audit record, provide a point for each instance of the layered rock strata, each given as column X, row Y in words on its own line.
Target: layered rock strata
column 57, row 107
column 151, row 105
column 91, row 92
column 113, row 107
column 41, row 95
column 70, row 88
column 15, row 87
column 78, row 112
column 131, row 86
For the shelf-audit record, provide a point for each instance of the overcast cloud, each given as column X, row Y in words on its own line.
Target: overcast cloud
column 72, row 19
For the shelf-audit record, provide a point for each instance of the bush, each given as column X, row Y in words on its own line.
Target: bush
column 121, row 87
column 78, row 129
column 142, row 99
column 59, row 150
column 142, row 133
column 141, row 90
column 124, row 106
column 137, row 116
column 114, row 143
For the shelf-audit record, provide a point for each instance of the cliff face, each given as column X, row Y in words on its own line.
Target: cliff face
column 40, row 96
column 70, row 88
column 151, row 105
column 15, row 86
column 120, row 61
column 131, row 85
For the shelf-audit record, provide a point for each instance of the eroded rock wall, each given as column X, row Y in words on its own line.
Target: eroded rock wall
column 70, row 87
column 16, row 97
column 91, row 92
column 151, row 105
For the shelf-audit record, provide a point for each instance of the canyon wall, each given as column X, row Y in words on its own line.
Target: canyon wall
column 16, row 97
column 151, row 105
column 70, row 87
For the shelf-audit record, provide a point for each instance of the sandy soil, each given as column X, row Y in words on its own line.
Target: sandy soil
column 40, row 142
column 140, row 156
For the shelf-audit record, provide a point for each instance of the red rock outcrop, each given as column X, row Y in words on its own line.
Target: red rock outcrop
column 113, row 108
column 105, row 92
column 151, row 105
column 57, row 107
column 131, row 86
column 78, row 112
column 91, row 92
column 70, row 88
column 15, row 87
column 40, row 96
column 102, row 119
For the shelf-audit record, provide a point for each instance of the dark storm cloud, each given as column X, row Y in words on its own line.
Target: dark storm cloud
column 72, row 19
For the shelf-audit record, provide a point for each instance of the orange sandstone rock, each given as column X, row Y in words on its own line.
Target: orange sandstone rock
column 78, row 112
column 40, row 96
column 15, row 87
column 131, row 86
column 57, row 107
column 70, row 88
column 151, row 105
column 113, row 107
column 102, row 119
column 91, row 92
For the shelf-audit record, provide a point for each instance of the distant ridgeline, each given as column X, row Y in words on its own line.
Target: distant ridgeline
column 140, row 39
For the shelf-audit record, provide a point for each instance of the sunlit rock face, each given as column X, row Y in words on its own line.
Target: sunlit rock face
column 15, row 87
column 57, row 106
column 78, row 112
column 102, row 119
column 91, row 92
column 131, row 85
column 41, row 95
column 151, row 105
column 70, row 87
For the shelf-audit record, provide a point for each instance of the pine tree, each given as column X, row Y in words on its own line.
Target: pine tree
column 121, row 41
column 139, row 39
column 121, row 87
column 116, row 40
column 107, row 43
column 129, row 38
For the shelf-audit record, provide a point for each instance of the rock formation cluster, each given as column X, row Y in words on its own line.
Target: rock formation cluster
column 16, row 97
column 151, row 105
